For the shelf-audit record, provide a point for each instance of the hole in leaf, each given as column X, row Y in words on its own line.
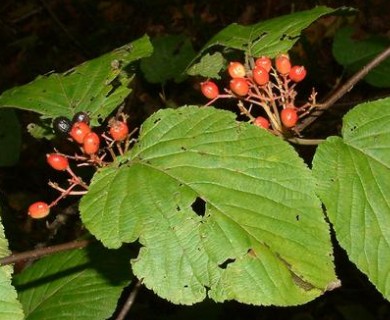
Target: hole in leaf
column 186, row 286
column 156, row 121
column 183, row 148
column 115, row 85
column 297, row 217
column 225, row 264
column 199, row 206
column 260, row 37
column 252, row 253
column 178, row 208
column 288, row 37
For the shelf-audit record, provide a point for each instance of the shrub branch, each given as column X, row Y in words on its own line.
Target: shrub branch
column 341, row 91
column 41, row 252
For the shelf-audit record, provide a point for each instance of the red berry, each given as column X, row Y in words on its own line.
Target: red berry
column 264, row 62
column 297, row 73
column 289, row 117
column 260, row 75
column 236, row 70
column 119, row 130
column 91, row 143
column 239, row 86
column 209, row 89
column 79, row 131
column 283, row 64
column 38, row 210
column 57, row 161
column 261, row 122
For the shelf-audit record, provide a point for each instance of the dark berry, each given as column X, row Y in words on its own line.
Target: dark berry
column 62, row 125
column 81, row 117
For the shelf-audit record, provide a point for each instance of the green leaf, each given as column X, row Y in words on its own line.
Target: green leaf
column 209, row 66
column 171, row 55
column 10, row 307
column 97, row 86
column 353, row 181
column 220, row 208
column 10, row 137
column 80, row 284
column 353, row 54
column 269, row 37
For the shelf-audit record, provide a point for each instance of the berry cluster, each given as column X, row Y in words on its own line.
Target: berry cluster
column 94, row 149
column 268, row 86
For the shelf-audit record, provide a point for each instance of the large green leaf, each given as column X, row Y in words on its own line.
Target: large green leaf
column 269, row 37
column 10, row 307
column 209, row 66
column 171, row 55
column 97, row 86
column 10, row 137
column 353, row 54
column 80, row 284
column 260, row 237
column 353, row 181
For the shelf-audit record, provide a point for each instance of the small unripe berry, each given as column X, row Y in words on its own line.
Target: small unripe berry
column 289, row 117
column 283, row 64
column 91, row 143
column 79, row 131
column 260, row 75
column 236, row 70
column 239, row 86
column 297, row 73
column 38, row 210
column 62, row 125
column 81, row 117
column 261, row 122
column 209, row 89
column 264, row 62
column 119, row 130
column 57, row 161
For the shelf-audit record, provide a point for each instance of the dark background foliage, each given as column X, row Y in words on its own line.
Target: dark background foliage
column 42, row 36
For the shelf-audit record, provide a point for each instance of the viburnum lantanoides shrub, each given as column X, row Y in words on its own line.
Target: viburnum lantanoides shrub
column 215, row 207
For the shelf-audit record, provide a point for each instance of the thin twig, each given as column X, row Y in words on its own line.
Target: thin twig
column 41, row 252
column 346, row 87
column 306, row 142
column 129, row 302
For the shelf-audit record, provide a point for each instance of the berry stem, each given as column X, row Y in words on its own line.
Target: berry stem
column 220, row 96
column 269, row 113
column 66, row 192
column 245, row 111
column 76, row 180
